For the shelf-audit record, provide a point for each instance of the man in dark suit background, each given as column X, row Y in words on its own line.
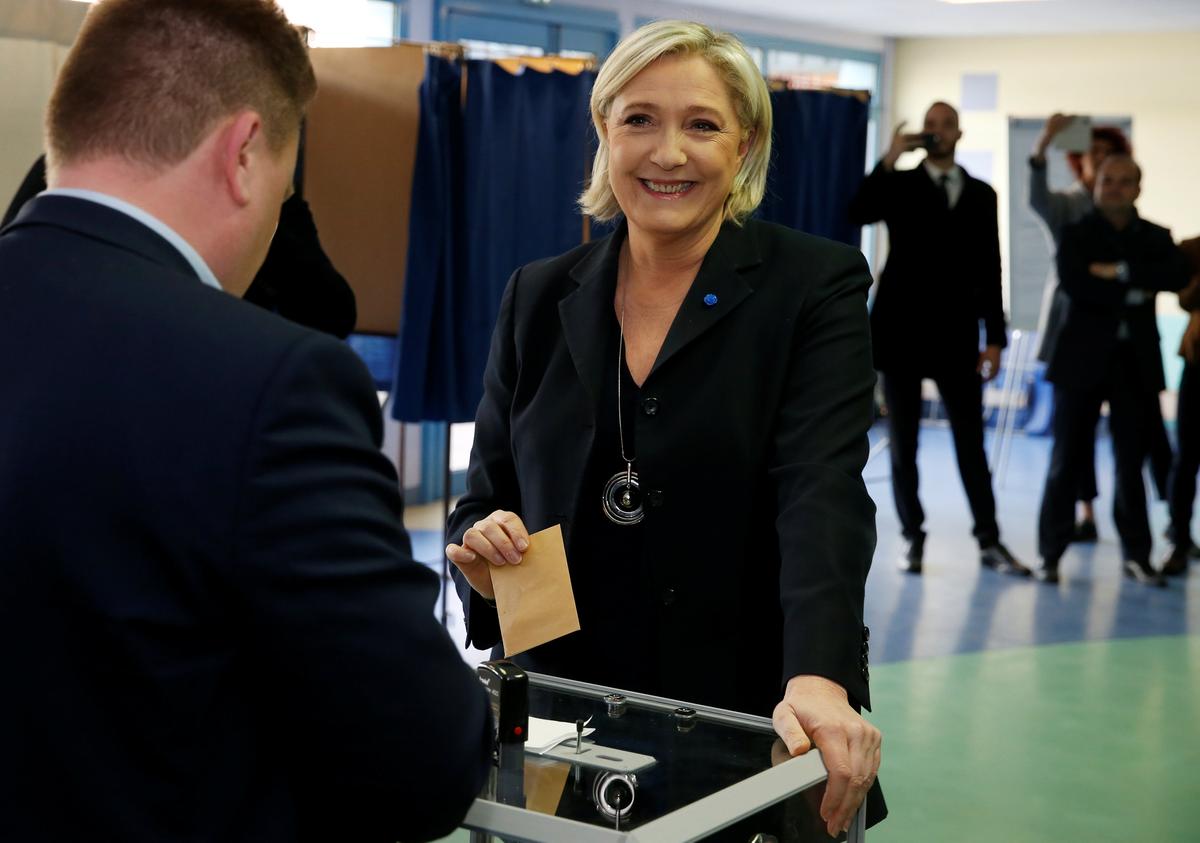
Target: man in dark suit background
column 942, row 279
column 211, row 627
column 1110, row 265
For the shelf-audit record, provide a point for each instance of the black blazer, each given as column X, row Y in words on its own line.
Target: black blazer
column 760, row 530
column 211, row 627
column 1083, row 355
column 942, row 274
column 297, row 280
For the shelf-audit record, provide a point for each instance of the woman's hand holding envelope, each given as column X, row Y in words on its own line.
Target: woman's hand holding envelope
column 499, row 539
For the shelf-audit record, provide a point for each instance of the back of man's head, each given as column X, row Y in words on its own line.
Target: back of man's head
column 147, row 79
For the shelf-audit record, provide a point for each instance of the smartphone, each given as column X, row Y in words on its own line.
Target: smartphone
column 929, row 140
column 1076, row 137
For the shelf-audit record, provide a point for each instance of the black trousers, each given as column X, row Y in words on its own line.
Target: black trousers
column 1187, row 458
column 1131, row 430
column 1161, row 456
column 962, row 395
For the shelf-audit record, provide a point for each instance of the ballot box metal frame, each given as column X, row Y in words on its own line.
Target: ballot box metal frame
column 692, row 822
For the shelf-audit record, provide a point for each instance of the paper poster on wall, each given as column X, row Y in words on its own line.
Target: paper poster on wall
column 977, row 162
column 979, row 91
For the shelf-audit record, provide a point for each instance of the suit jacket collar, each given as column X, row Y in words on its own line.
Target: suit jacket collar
column 99, row 222
column 723, row 275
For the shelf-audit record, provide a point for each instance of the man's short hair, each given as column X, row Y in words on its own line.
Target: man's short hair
column 148, row 79
column 1122, row 158
column 944, row 104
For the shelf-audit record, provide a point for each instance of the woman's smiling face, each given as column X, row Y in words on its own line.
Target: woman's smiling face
column 675, row 145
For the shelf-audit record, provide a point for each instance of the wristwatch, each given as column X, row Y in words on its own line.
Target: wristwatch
column 1123, row 272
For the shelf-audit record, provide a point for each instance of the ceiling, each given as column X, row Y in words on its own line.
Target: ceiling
column 919, row 18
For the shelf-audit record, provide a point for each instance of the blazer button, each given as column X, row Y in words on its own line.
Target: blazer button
column 650, row 406
column 668, row 596
column 866, row 633
column 654, row 497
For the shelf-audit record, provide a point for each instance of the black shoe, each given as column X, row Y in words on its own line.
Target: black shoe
column 1141, row 571
column 1085, row 531
column 914, row 553
column 1175, row 563
column 998, row 557
column 1048, row 573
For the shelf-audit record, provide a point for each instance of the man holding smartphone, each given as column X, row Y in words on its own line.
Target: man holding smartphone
column 941, row 281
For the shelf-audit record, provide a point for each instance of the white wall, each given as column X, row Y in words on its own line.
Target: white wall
column 28, row 69
column 1153, row 78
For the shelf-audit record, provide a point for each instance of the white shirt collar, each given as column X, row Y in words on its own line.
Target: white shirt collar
column 936, row 172
column 150, row 221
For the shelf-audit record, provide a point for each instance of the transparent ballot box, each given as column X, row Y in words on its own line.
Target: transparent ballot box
column 648, row 770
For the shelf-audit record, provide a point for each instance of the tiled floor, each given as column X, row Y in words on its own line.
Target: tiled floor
column 1013, row 710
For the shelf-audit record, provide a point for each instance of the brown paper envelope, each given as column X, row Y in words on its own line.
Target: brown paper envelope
column 544, row 784
column 534, row 599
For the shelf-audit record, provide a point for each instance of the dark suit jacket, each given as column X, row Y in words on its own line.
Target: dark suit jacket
column 297, row 279
column 760, row 530
column 1088, row 342
column 211, row 627
column 942, row 274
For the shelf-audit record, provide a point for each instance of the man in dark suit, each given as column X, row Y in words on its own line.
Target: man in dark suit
column 1110, row 265
column 941, row 280
column 211, row 627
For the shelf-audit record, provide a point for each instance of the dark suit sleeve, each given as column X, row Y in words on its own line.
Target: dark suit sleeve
column 298, row 281
column 1159, row 264
column 33, row 184
column 491, row 476
column 826, row 521
column 873, row 201
column 991, row 290
column 1189, row 296
column 389, row 727
column 1074, row 279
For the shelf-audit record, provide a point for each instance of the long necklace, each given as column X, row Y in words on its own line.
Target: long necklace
column 622, row 498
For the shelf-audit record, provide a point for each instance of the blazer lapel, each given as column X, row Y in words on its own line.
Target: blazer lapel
column 718, row 289
column 583, row 312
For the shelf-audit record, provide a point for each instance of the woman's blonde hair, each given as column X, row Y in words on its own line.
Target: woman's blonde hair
column 729, row 58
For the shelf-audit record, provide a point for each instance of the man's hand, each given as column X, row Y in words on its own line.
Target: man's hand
column 815, row 712
column 1054, row 125
column 901, row 143
column 989, row 363
column 499, row 539
column 1107, row 271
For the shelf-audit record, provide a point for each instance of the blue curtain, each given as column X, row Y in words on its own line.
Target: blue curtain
column 818, row 153
column 495, row 187
column 425, row 379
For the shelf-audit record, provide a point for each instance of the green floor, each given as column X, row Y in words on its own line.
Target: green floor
column 1076, row 742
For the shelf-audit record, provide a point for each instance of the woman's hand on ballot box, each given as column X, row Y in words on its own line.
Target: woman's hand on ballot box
column 815, row 711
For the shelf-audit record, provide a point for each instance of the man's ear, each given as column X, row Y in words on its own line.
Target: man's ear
column 240, row 146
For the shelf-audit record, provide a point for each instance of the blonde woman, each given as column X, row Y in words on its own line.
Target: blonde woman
column 689, row 398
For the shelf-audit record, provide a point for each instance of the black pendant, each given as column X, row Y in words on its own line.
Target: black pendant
column 623, row 498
